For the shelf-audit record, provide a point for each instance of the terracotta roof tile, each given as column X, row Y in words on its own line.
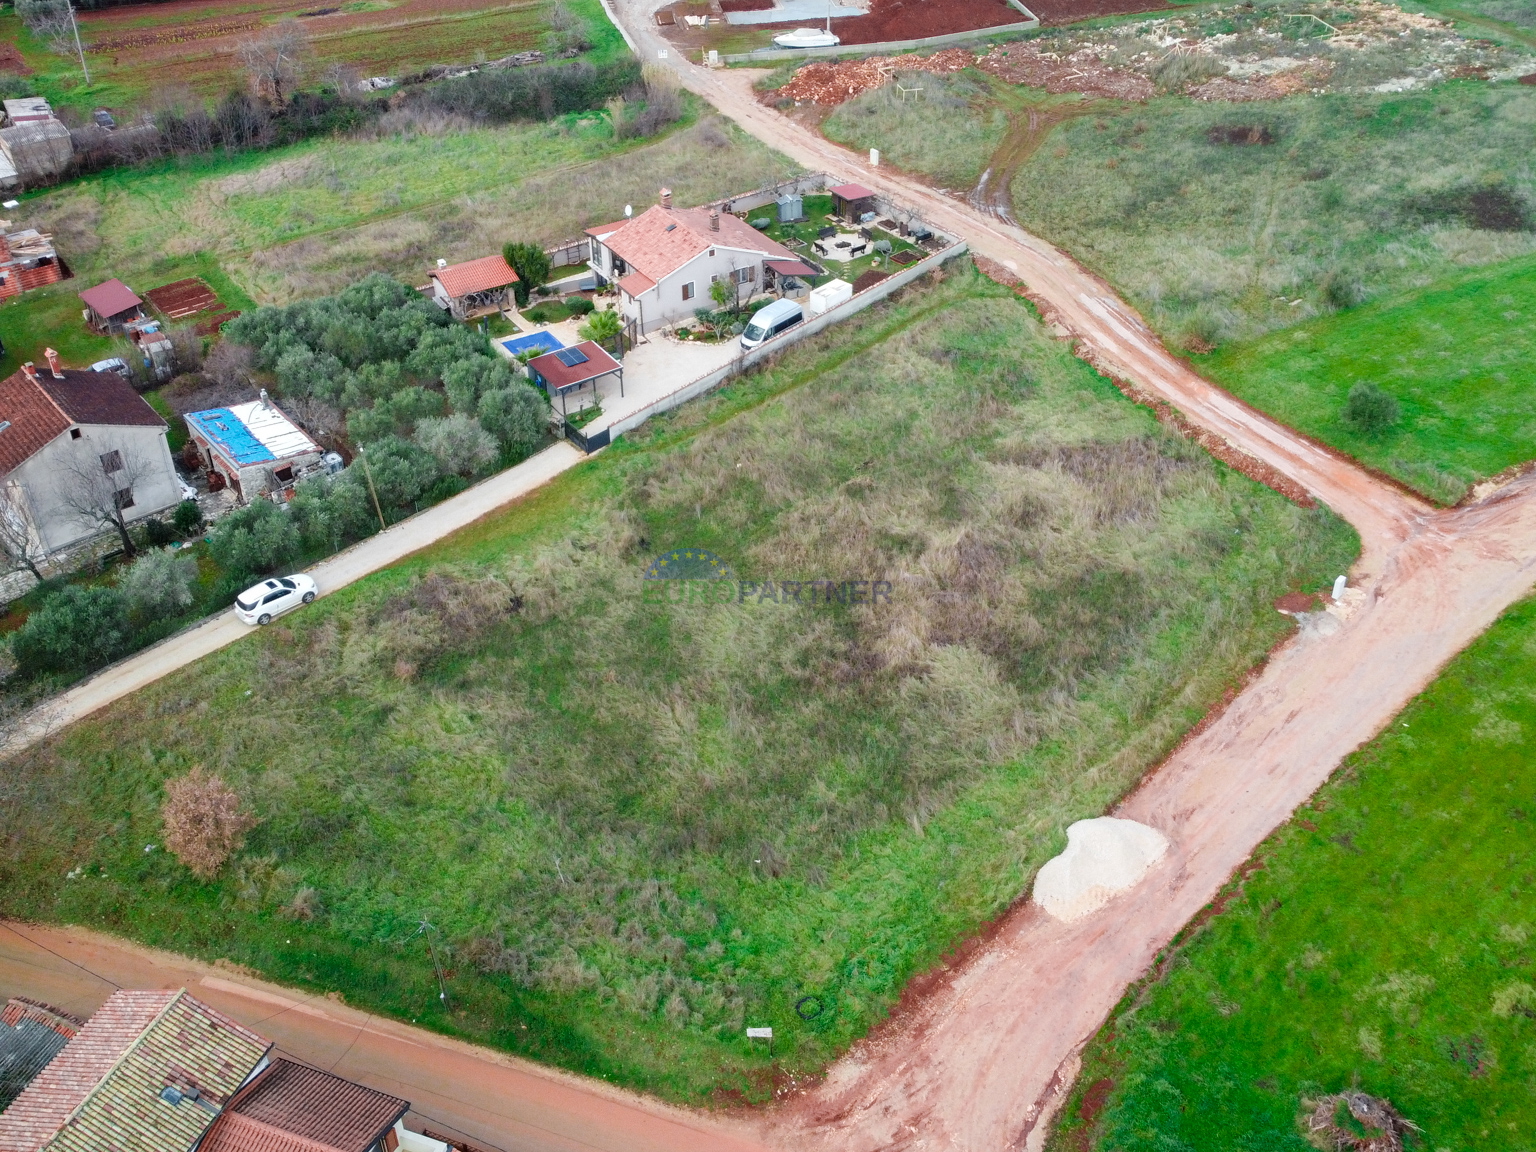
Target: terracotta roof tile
column 41, row 410
column 660, row 240
column 852, row 192
column 102, row 1093
column 110, row 298
column 475, row 276
column 636, row 283
column 292, row 1102
column 98, row 398
column 33, row 418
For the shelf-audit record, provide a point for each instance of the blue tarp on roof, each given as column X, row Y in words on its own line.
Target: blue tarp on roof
column 542, row 341
column 223, row 428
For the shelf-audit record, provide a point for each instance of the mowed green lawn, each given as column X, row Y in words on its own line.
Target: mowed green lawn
column 1385, row 943
column 640, row 825
column 1460, row 357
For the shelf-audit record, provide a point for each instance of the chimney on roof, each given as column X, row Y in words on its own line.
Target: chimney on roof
column 666, row 198
column 30, row 370
column 714, row 219
column 265, row 402
column 441, row 263
column 53, row 363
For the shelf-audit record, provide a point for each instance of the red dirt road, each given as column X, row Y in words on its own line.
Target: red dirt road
column 980, row 1063
column 457, row 1089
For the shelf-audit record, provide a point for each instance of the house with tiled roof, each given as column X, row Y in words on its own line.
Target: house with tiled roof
column 31, row 1034
column 149, row 1072
column 77, row 448
column 472, row 288
column 664, row 260
column 294, row 1108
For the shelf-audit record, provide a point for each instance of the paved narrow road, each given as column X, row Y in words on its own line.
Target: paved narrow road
column 980, row 1064
column 496, row 1102
column 388, row 547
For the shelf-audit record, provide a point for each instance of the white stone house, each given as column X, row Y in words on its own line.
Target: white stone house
column 664, row 260
column 253, row 449
column 72, row 442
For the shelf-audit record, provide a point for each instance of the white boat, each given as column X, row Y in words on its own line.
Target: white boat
column 807, row 38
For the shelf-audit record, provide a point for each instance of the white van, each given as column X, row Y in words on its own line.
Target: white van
column 768, row 322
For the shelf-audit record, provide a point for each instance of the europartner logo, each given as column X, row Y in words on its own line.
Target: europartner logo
column 698, row 576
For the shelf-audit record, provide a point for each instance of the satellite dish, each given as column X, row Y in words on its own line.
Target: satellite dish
column 629, row 210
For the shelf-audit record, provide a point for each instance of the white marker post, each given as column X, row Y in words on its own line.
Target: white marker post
column 874, row 157
column 762, row 1034
column 1338, row 589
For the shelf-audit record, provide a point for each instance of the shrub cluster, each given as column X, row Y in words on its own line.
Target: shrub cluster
column 539, row 93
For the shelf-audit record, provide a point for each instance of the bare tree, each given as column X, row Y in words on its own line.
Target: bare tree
column 18, row 540
column 275, row 62
column 99, row 488
column 50, row 20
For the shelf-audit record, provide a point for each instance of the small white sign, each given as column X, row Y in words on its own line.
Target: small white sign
column 759, row 1033
column 662, row 54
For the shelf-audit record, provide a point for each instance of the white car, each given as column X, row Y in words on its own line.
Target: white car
column 261, row 602
column 807, row 38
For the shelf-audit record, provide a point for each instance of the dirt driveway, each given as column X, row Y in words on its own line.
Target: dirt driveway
column 981, row 1061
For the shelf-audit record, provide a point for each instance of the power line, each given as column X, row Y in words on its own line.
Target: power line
column 66, row 959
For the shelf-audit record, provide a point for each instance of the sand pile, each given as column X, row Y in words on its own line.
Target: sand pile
column 1104, row 857
column 832, row 83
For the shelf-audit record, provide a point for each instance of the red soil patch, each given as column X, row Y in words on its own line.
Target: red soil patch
column 745, row 5
column 1094, row 1100
column 868, row 280
column 11, row 61
column 916, row 19
column 1296, row 602
column 184, row 298
column 1070, row 11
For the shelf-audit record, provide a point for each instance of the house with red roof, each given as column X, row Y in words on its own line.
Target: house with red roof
column 472, row 288
column 160, row 1071
column 664, row 260
column 149, row 1072
column 79, row 452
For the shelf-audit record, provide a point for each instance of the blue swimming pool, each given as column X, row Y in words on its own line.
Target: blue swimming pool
column 540, row 341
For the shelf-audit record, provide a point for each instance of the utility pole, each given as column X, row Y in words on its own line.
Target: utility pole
column 75, row 24
column 362, row 455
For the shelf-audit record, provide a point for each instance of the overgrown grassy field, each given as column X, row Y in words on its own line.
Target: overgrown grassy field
column 1384, row 944
column 1458, row 357
column 943, row 127
column 1357, row 197
column 138, row 53
column 640, row 823
column 310, row 219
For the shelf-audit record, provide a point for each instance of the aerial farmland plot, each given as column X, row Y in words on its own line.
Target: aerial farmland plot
column 139, row 50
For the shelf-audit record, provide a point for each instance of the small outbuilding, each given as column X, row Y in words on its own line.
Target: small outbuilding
column 38, row 150
column 253, row 449
column 852, row 201
column 563, row 373
column 110, row 307
column 27, row 110
column 474, row 288
column 28, row 260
